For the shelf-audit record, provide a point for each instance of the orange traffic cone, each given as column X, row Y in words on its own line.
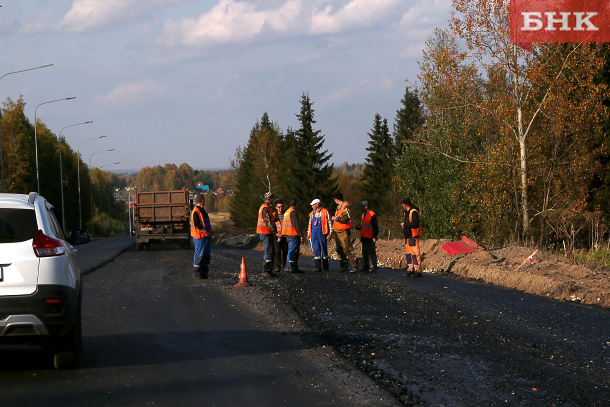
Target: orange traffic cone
column 243, row 275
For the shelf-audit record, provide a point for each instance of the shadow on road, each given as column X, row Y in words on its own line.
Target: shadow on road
column 137, row 349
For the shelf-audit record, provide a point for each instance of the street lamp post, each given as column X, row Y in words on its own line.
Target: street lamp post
column 80, row 213
column 91, row 183
column 61, row 174
column 36, row 137
column 1, row 164
column 100, row 194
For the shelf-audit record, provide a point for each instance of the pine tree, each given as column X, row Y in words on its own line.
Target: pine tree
column 310, row 175
column 408, row 119
column 260, row 170
column 376, row 181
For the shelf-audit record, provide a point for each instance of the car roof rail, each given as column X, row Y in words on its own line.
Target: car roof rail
column 32, row 196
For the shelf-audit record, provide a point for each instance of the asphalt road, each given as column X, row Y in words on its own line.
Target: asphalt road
column 155, row 336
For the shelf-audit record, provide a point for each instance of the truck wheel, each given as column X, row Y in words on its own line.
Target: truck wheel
column 139, row 246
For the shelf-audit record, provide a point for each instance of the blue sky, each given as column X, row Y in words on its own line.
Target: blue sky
column 184, row 81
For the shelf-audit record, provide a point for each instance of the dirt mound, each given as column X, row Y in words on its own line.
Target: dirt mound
column 546, row 275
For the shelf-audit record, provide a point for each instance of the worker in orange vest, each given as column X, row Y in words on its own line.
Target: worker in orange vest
column 266, row 230
column 369, row 229
column 291, row 228
column 342, row 223
column 317, row 234
column 281, row 244
column 412, row 230
column 201, row 230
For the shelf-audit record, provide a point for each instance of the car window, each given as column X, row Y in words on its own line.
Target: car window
column 55, row 225
column 17, row 225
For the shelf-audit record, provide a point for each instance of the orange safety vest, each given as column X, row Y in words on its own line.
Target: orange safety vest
column 416, row 232
column 366, row 228
column 196, row 233
column 288, row 228
column 278, row 224
column 261, row 227
column 338, row 213
column 323, row 219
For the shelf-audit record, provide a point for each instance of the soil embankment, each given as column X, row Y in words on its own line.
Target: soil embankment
column 546, row 275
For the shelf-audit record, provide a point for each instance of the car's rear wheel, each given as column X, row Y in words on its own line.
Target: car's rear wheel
column 67, row 354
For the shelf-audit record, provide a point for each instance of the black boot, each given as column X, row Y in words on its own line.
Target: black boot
column 318, row 264
column 325, row 264
column 267, row 269
column 296, row 268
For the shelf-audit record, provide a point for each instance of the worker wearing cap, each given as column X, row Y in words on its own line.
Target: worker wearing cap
column 266, row 230
column 342, row 223
column 201, row 230
column 291, row 228
column 369, row 229
column 317, row 233
column 412, row 229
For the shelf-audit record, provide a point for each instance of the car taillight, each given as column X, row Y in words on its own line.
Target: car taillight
column 45, row 246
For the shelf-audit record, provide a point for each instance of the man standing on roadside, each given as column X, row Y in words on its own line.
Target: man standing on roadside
column 281, row 244
column 201, row 230
column 369, row 229
column 342, row 223
column 317, row 233
column 291, row 228
column 411, row 227
column 266, row 229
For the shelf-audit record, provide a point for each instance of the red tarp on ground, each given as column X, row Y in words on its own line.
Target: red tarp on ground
column 465, row 246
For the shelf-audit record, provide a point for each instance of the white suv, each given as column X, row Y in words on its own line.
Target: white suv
column 40, row 285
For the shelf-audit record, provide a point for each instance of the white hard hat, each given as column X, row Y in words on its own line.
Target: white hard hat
column 315, row 201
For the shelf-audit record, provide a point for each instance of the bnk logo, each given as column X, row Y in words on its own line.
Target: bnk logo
column 534, row 21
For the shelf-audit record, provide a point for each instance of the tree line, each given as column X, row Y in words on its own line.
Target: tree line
column 492, row 141
column 19, row 173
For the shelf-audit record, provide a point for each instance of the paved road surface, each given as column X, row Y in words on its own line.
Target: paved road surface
column 155, row 336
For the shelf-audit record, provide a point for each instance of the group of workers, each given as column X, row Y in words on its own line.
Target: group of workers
column 281, row 234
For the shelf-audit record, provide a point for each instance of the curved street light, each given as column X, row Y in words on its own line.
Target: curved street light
column 36, row 137
column 61, row 174
column 100, row 195
column 80, row 213
column 6, row 74
column 91, row 183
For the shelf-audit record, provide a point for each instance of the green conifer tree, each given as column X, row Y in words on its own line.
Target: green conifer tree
column 376, row 181
column 309, row 175
column 260, row 170
column 409, row 118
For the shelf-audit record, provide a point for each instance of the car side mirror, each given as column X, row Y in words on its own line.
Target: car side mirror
column 78, row 237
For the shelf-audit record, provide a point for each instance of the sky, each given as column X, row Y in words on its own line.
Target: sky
column 185, row 81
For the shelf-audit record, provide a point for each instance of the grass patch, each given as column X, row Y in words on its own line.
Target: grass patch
column 601, row 256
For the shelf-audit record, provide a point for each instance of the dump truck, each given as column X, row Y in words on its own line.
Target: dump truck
column 162, row 216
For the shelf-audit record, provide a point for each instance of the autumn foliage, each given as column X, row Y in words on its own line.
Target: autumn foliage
column 517, row 134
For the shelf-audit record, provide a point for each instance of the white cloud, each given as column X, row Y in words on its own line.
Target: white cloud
column 419, row 15
column 357, row 13
column 228, row 21
column 130, row 92
column 413, row 50
column 357, row 90
column 85, row 15
column 39, row 23
column 90, row 14
column 240, row 21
